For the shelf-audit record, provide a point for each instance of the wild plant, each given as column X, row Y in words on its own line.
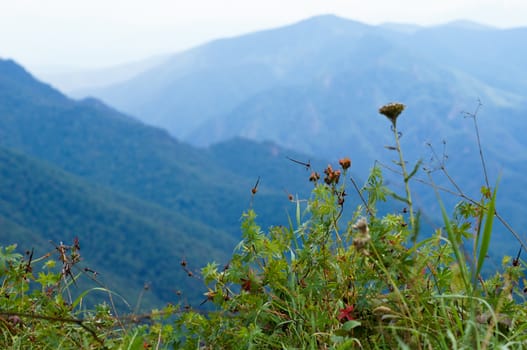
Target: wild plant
column 367, row 283
column 330, row 279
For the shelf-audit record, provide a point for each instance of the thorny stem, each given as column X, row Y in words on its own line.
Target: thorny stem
column 402, row 164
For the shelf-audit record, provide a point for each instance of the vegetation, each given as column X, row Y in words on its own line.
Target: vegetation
column 325, row 281
column 137, row 199
column 129, row 242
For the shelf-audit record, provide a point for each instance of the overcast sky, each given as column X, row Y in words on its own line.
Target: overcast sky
column 96, row 33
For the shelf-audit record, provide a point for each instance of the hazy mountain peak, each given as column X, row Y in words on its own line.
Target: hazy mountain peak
column 312, row 69
column 328, row 20
column 16, row 78
column 10, row 69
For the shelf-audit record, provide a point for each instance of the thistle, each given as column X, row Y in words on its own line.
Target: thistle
column 392, row 111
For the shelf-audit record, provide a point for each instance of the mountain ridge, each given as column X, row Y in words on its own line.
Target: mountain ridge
column 135, row 192
column 186, row 93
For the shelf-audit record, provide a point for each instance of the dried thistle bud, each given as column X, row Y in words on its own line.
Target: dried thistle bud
column 336, row 176
column 314, row 177
column 362, row 226
column 392, row 111
column 345, row 163
column 361, row 240
column 332, row 176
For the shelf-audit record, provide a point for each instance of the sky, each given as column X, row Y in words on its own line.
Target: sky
column 71, row 34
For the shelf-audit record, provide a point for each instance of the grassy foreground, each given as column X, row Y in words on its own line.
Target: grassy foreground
column 326, row 281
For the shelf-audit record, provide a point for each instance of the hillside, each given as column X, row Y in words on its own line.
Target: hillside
column 93, row 141
column 297, row 87
column 138, row 199
column 127, row 241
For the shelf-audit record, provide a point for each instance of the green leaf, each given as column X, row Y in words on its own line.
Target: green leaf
column 414, row 170
column 487, row 232
column 453, row 241
column 349, row 325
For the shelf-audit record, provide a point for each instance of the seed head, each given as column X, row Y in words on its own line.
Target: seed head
column 392, row 111
column 345, row 163
column 314, row 177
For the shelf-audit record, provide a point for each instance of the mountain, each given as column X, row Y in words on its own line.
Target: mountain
column 492, row 56
column 139, row 200
column 315, row 86
column 195, row 94
column 91, row 140
column 74, row 79
column 127, row 241
column 193, row 86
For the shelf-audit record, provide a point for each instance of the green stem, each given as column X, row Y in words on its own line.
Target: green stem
column 405, row 176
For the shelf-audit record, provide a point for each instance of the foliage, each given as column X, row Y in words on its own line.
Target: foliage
column 320, row 284
column 327, row 280
column 129, row 242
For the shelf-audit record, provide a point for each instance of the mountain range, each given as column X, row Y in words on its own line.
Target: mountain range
column 138, row 200
column 315, row 86
column 318, row 76
column 160, row 167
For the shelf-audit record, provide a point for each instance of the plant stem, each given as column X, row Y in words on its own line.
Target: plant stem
column 402, row 164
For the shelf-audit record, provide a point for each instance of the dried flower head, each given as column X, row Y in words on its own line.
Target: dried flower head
column 361, row 240
column 332, row 176
column 336, row 176
column 345, row 163
column 314, row 177
column 362, row 226
column 392, row 111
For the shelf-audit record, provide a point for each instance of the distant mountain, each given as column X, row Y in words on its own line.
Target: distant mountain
column 74, row 80
column 199, row 92
column 197, row 85
column 315, row 86
column 138, row 199
column 492, row 56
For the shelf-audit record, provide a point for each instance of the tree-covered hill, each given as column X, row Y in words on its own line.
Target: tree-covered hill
column 139, row 200
column 104, row 146
column 128, row 242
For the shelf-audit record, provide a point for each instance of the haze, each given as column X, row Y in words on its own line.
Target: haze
column 66, row 34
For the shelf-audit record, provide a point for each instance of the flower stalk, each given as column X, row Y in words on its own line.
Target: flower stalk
column 392, row 112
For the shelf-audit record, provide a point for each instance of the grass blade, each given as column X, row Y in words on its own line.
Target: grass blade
column 487, row 232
